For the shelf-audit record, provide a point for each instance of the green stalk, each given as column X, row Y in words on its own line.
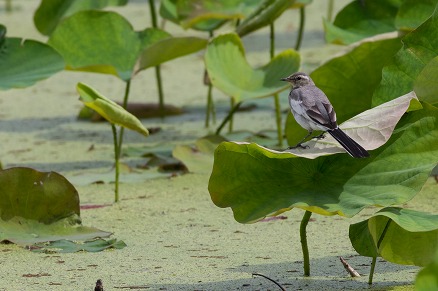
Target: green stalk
column 116, row 162
column 379, row 242
column 157, row 68
column 373, row 265
column 305, row 248
column 153, row 13
column 228, row 117
column 276, row 97
column 8, row 6
column 330, row 10
column 210, row 103
column 160, row 90
column 124, row 104
column 230, row 124
column 301, row 29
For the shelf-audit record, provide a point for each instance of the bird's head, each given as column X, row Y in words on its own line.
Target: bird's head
column 298, row 80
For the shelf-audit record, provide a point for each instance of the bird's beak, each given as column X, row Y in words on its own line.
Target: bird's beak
column 284, row 79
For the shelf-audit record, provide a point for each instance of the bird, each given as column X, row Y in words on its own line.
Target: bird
column 313, row 111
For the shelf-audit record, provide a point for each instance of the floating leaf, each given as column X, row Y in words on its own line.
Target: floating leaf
column 427, row 279
column 350, row 93
column 198, row 158
column 40, row 206
column 274, row 182
column 50, row 12
column 110, row 110
column 409, row 237
column 357, row 21
column 111, row 47
column 66, row 246
column 24, row 62
column 230, row 72
column 419, row 48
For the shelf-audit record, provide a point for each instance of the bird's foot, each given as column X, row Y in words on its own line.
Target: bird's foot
column 298, row 146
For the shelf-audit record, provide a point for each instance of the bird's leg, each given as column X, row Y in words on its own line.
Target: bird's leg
column 299, row 145
column 321, row 136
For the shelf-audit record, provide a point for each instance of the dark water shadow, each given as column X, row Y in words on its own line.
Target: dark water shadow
column 327, row 274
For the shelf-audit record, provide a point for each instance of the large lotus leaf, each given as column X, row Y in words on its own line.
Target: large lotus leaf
column 419, row 48
column 24, row 62
column 427, row 279
column 51, row 12
column 256, row 182
column 412, row 13
column 168, row 49
column 230, row 72
column 409, row 237
column 40, row 206
column 265, row 14
column 371, row 128
column 358, row 20
column 349, row 92
column 110, row 47
column 109, row 110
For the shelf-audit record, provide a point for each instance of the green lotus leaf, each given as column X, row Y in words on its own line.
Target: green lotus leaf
column 40, row 206
column 50, row 12
column 419, row 48
column 413, row 13
column 256, row 182
column 168, row 49
column 25, row 62
column 265, row 14
column 350, row 92
column 230, row 72
column 108, row 109
column 357, row 21
column 427, row 278
column 425, row 85
column 111, row 47
column 210, row 14
column 409, row 237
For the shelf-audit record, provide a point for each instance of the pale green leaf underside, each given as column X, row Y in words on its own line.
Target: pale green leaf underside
column 109, row 110
column 230, row 72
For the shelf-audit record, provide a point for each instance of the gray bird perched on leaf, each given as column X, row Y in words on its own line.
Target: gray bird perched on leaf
column 313, row 111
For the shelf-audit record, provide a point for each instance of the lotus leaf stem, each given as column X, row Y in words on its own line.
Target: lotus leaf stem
column 116, row 162
column 228, row 117
column 276, row 97
column 379, row 242
column 301, row 28
column 304, row 246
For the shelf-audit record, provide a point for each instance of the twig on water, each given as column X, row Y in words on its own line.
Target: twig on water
column 350, row 270
column 272, row 280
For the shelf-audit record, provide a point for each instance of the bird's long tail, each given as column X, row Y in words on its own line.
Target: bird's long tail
column 352, row 147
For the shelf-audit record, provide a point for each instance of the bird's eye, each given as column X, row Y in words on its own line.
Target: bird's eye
column 299, row 78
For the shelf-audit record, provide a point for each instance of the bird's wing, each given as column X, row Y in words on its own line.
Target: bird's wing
column 320, row 110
